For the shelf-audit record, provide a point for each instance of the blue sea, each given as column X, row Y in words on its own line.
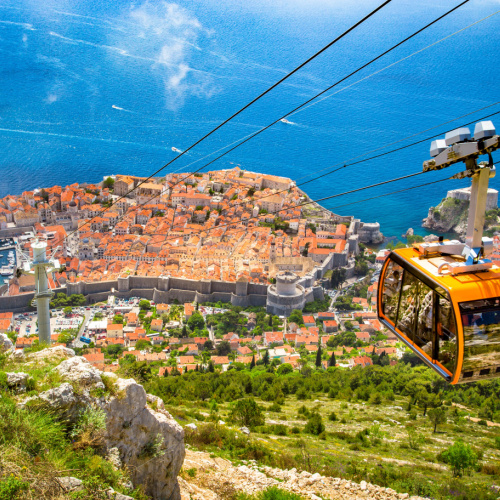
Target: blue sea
column 91, row 88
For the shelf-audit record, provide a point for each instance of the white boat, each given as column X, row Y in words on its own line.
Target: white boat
column 284, row 120
column 175, row 150
column 6, row 270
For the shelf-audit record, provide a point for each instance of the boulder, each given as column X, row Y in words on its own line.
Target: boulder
column 64, row 401
column 151, row 444
column 52, row 354
column 192, row 426
column 5, row 343
column 245, row 430
column 17, row 381
column 78, row 369
column 70, row 483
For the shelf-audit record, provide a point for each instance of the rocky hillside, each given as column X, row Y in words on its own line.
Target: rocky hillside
column 210, row 478
column 450, row 216
column 101, row 427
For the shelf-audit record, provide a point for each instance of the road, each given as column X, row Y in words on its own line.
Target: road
column 86, row 317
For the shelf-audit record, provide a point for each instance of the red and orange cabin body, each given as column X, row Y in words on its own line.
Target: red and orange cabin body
column 451, row 322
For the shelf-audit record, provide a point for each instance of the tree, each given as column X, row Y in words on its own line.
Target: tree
column 270, row 322
column 252, row 363
column 115, row 349
column 315, row 425
column 118, row 319
column 461, row 457
column 65, row 337
column 338, row 277
column 285, row 368
column 196, row 321
column 67, row 310
column 142, row 344
column 332, row 361
column 305, row 252
column 184, row 332
column 208, row 345
column 144, row 305
column 224, row 348
column 318, row 357
column 246, row 412
column 296, row 317
column 437, row 416
column 108, row 183
column 265, row 358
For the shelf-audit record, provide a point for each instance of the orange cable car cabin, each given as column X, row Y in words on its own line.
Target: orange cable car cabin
column 452, row 322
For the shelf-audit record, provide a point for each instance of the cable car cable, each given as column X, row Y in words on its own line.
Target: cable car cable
column 288, row 75
column 345, row 165
column 296, row 109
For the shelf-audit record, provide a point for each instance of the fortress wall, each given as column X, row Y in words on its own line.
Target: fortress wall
column 223, row 286
column 143, row 282
column 15, row 231
column 257, row 289
column 17, row 303
column 185, row 284
column 98, row 287
column 213, row 297
column 318, row 293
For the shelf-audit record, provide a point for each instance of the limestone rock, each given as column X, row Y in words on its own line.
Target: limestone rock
column 5, row 343
column 155, row 402
column 114, row 495
column 151, row 444
column 245, row 430
column 17, row 381
column 64, row 401
column 78, row 369
column 53, row 354
column 192, row 426
column 70, row 483
column 17, row 356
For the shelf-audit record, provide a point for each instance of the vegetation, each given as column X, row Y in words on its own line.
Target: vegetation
column 36, row 447
column 369, row 424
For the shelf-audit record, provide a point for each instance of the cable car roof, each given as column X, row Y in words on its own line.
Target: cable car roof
column 463, row 287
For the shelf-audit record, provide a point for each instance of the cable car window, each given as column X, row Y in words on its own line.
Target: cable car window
column 446, row 334
column 415, row 318
column 481, row 323
column 392, row 287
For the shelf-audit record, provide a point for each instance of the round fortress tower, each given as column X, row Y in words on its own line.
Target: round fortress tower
column 286, row 295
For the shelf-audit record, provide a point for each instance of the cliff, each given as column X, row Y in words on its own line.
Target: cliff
column 449, row 216
column 113, row 437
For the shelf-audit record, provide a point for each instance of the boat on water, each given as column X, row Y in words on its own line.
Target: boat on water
column 284, row 120
column 176, row 150
column 6, row 270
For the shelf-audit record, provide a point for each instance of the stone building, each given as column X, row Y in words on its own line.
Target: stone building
column 286, row 295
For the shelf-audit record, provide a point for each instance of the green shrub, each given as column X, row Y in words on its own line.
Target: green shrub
column 272, row 493
column 460, row 456
column 11, row 486
column 275, row 408
column 314, row 425
column 295, row 430
column 332, row 417
column 246, row 412
column 482, row 422
column 303, row 411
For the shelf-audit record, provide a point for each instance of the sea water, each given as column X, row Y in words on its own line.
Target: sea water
column 89, row 89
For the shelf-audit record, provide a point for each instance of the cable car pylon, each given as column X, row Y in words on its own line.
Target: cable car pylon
column 442, row 298
column 40, row 267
